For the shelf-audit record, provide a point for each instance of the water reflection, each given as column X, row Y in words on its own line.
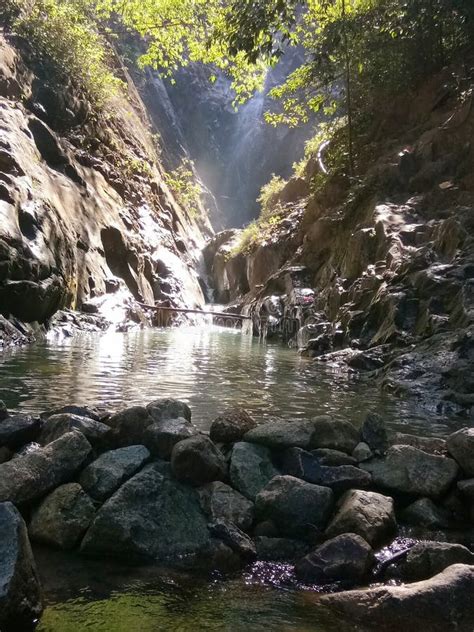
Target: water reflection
column 83, row 595
column 210, row 368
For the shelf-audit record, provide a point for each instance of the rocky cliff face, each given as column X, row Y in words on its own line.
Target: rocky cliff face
column 380, row 275
column 84, row 209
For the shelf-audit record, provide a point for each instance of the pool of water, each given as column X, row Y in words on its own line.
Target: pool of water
column 82, row 596
column 209, row 368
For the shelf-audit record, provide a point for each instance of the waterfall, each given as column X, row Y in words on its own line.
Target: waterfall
column 245, row 141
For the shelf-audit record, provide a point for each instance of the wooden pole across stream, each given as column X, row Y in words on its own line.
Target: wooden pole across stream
column 186, row 310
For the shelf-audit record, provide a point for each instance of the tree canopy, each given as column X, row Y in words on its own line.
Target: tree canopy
column 352, row 51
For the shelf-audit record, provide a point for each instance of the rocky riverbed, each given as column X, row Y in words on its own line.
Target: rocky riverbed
column 144, row 484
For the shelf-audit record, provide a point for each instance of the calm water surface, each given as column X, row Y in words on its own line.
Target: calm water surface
column 207, row 367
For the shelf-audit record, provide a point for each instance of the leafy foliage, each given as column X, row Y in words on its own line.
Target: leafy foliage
column 179, row 32
column 63, row 33
column 269, row 193
column 389, row 43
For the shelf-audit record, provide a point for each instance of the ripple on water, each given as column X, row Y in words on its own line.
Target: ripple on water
column 207, row 367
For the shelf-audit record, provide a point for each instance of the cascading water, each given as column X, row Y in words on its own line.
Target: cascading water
column 245, row 142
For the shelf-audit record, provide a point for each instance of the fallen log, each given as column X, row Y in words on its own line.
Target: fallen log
column 186, row 310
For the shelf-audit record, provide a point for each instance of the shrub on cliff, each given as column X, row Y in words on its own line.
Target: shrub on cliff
column 62, row 36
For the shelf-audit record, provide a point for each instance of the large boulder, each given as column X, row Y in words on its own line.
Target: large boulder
column 231, row 426
column 17, row 430
column 104, row 476
column 221, row 502
column 282, row 434
column 426, row 559
column 408, row 470
column 461, row 447
column 128, row 426
column 161, row 436
column 347, row 557
column 20, row 591
column 439, row 604
column 63, row 517
column 58, row 425
column 168, row 408
column 334, row 434
column 293, row 505
column 251, row 468
column 150, row 517
column 197, row 461
column 33, row 475
column 367, row 514
column 374, row 433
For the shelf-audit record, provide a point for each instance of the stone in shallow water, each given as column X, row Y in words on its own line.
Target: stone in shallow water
column 367, row 514
column 461, row 447
column 424, row 513
column 433, row 445
column 221, row 502
column 231, row 425
column 31, row 476
column 426, row 559
column 408, row 470
column 282, row 434
column 374, row 433
column 74, row 409
column 3, row 410
column 104, row 476
column 17, row 430
column 362, row 452
column 150, row 517
column 302, row 464
column 467, row 488
column 20, row 591
column 295, row 506
column 197, row 461
column 128, row 427
column 5, row 455
column 168, row 409
column 344, row 477
column 58, row 425
column 251, row 468
column 161, row 436
column 439, row 604
column 234, row 538
column 333, row 458
column 334, row 434
column 347, row 557
column 63, row 517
